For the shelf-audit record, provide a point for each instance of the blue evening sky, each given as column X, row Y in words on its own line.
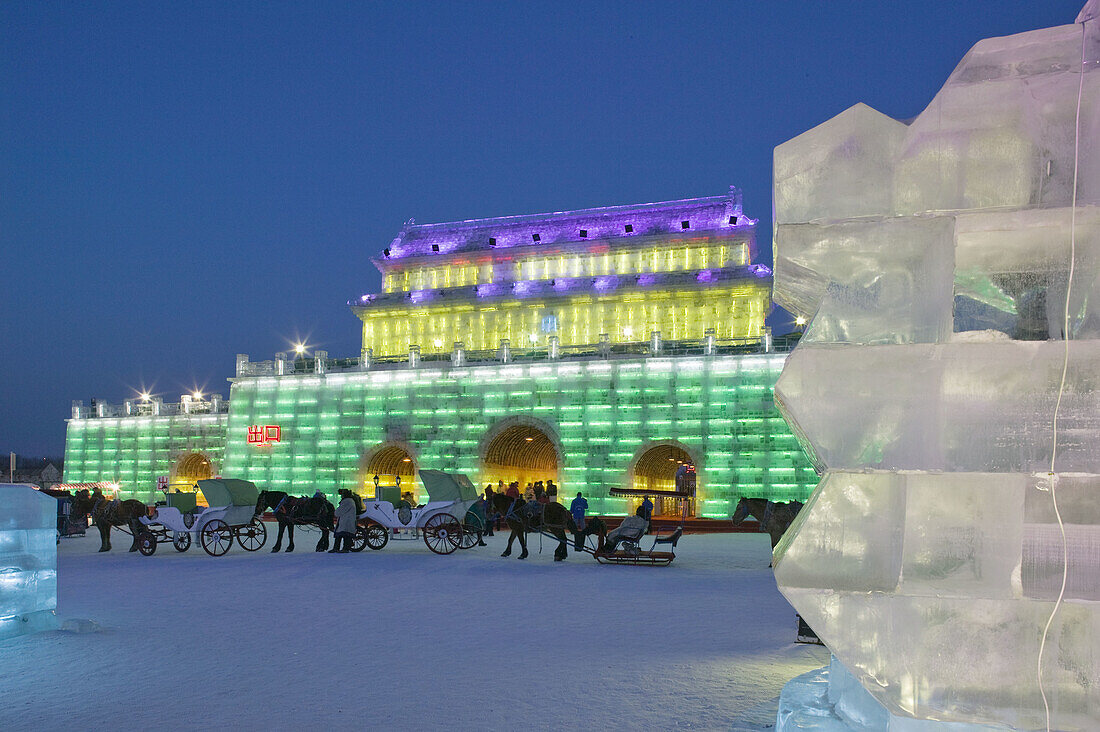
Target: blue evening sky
column 181, row 182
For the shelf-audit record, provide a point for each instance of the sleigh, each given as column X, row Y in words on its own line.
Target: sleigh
column 662, row 550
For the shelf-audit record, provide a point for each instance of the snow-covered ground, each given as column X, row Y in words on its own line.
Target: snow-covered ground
column 405, row 639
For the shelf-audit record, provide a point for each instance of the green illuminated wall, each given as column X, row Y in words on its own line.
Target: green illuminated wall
column 134, row 451
column 602, row 413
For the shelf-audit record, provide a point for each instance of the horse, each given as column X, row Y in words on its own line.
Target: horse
column 295, row 510
column 553, row 518
column 109, row 513
column 775, row 518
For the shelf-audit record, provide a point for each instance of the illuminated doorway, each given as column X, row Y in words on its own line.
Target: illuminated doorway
column 655, row 469
column 190, row 468
column 521, row 452
column 396, row 470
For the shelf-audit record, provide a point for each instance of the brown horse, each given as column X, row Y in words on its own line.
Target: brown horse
column 108, row 513
column 774, row 518
column 524, row 516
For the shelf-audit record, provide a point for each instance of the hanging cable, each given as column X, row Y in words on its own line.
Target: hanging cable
column 1052, row 482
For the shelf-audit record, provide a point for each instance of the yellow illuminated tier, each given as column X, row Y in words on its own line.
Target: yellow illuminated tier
column 735, row 310
column 463, row 271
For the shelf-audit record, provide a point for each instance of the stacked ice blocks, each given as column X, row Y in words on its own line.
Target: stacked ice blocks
column 28, row 560
column 933, row 259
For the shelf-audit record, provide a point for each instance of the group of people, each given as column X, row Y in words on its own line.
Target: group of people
column 632, row 527
column 350, row 507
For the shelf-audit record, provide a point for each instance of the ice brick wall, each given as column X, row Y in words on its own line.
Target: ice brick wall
column 135, row 451
column 28, row 560
column 601, row 415
column 934, row 261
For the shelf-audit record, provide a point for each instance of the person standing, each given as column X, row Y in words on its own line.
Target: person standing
column 345, row 523
column 513, row 490
column 490, row 515
column 647, row 509
column 552, row 490
column 578, row 508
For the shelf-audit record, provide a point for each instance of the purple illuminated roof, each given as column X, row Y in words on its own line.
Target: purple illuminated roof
column 713, row 214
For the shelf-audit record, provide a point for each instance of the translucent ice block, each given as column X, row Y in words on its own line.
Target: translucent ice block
column 28, row 560
column 932, row 587
column 929, row 558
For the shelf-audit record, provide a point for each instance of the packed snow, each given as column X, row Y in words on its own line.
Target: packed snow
column 406, row 639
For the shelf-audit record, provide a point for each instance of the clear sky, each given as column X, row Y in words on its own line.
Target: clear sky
column 181, row 182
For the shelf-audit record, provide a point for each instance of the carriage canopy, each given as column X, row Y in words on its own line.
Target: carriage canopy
column 229, row 492
column 448, row 486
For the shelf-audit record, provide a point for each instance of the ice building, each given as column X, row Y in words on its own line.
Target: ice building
column 599, row 348
column 948, row 388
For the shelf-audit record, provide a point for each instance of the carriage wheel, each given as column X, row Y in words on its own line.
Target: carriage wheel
column 253, row 536
column 182, row 541
column 472, row 530
column 376, row 536
column 147, row 543
column 443, row 533
column 216, row 537
column 359, row 540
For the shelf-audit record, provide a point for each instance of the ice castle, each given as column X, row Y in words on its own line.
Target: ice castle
column 599, row 348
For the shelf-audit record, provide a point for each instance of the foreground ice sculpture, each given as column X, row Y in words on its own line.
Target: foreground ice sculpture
column 28, row 560
column 934, row 259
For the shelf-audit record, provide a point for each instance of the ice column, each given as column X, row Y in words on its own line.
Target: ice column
column 933, row 259
column 28, row 560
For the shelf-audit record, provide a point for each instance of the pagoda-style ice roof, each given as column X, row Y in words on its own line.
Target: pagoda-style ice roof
column 693, row 215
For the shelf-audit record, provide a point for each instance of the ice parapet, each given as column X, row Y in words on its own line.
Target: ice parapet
column 28, row 560
column 934, row 262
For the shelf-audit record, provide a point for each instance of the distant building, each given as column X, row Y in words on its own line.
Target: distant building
column 43, row 475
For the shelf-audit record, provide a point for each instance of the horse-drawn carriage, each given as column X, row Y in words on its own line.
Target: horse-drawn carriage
column 445, row 522
column 231, row 514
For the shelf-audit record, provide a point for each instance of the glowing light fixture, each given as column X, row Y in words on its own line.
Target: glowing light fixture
column 197, row 395
column 800, row 321
column 300, row 348
column 145, row 396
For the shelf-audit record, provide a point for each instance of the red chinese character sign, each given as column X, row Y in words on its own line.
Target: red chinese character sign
column 265, row 434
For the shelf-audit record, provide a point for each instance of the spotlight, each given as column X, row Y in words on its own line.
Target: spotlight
column 145, row 396
column 300, row 348
column 800, row 321
column 197, row 395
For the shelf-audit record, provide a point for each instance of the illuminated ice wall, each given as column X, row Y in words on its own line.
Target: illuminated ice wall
column 601, row 416
column 934, row 258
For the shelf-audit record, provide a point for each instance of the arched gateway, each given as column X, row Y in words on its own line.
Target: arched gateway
column 520, row 449
column 654, row 468
column 389, row 461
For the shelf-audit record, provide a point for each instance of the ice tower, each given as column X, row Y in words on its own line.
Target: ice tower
column 935, row 261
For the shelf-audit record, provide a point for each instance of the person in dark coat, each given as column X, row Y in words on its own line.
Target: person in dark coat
column 490, row 516
column 578, row 508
